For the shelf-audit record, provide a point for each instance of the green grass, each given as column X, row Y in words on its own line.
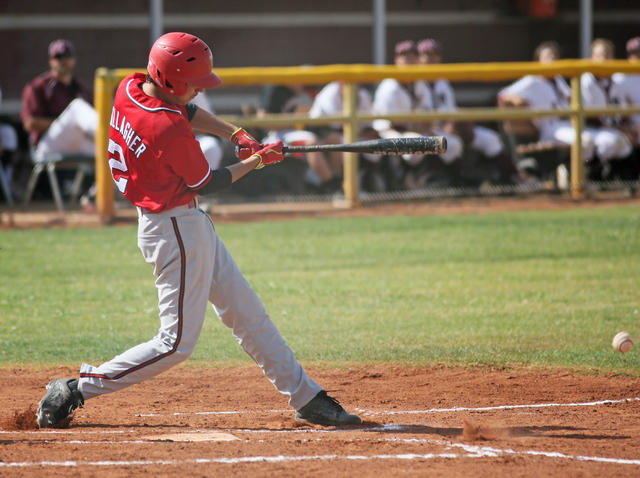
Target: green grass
column 548, row 288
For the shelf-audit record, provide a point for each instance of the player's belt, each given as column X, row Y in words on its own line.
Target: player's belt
column 170, row 212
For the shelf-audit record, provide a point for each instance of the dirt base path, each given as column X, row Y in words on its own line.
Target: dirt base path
column 196, row 421
column 42, row 215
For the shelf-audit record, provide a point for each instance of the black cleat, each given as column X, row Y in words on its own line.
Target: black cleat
column 325, row 410
column 59, row 402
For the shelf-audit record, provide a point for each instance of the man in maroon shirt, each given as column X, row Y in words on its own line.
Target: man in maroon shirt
column 57, row 109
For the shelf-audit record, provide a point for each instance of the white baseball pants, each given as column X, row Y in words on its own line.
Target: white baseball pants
column 607, row 143
column 194, row 267
column 72, row 132
column 487, row 141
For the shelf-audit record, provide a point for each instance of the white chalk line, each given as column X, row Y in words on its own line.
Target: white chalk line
column 364, row 411
column 409, row 412
column 500, row 407
column 211, row 413
column 471, row 452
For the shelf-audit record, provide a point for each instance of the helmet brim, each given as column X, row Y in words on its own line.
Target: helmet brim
column 210, row 81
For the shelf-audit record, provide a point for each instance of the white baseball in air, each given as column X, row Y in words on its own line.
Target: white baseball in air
column 622, row 342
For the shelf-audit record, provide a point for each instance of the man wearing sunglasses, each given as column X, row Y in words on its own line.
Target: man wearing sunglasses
column 57, row 109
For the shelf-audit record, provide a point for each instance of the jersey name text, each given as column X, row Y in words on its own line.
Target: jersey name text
column 128, row 133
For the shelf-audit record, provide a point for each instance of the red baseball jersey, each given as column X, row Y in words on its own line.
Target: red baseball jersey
column 154, row 157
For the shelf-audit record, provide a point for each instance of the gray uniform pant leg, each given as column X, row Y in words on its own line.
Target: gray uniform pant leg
column 240, row 309
column 193, row 267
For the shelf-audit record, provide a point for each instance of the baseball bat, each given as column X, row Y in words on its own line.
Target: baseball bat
column 393, row 146
column 423, row 144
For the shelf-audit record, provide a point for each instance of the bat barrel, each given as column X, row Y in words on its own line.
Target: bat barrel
column 389, row 146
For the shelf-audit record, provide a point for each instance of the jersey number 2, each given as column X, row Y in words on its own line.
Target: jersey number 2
column 117, row 163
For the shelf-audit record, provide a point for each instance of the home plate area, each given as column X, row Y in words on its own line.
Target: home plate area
column 197, row 421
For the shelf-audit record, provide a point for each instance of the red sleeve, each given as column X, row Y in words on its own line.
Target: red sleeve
column 184, row 156
column 32, row 102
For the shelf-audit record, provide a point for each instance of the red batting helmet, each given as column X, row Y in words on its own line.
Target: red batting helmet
column 179, row 58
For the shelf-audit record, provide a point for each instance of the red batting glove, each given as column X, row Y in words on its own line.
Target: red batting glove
column 243, row 153
column 270, row 154
column 244, row 141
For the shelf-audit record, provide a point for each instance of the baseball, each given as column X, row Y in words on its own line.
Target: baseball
column 622, row 342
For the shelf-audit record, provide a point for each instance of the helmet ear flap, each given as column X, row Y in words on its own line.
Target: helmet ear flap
column 176, row 88
column 177, row 59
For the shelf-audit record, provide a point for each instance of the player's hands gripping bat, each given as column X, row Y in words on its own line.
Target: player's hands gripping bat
column 269, row 154
column 245, row 143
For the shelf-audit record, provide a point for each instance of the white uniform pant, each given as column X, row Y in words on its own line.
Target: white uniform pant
column 194, row 267
column 72, row 132
column 606, row 143
column 487, row 141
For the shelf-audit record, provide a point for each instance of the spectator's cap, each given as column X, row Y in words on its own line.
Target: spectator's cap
column 429, row 45
column 633, row 45
column 406, row 46
column 61, row 48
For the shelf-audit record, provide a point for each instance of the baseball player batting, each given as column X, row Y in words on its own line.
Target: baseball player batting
column 159, row 167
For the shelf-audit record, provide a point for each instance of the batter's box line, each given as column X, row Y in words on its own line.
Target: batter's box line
column 471, row 452
column 210, row 413
column 501, row 407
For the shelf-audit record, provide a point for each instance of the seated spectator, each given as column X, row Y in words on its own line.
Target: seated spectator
column 610, row 142
column 296, row 99
column 485, row 140
column 8, row 148
column 392, row 97
column 627, row 88
column 538, row 92
column 57, row 108
column 330, row 102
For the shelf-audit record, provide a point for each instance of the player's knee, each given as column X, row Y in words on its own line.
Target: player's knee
column 182, row 353
column 493, row 147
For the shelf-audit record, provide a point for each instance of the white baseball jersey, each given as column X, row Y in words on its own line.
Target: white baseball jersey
column 599, row 92
column 627, row 91
column 543, row 93
column 443, row 97
column 329, row 102
column 391, row 97
column 485, row 140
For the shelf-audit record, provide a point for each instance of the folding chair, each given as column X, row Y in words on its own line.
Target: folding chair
column 61, row 161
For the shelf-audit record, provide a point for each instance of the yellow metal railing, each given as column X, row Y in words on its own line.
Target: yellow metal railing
column 107, row 80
